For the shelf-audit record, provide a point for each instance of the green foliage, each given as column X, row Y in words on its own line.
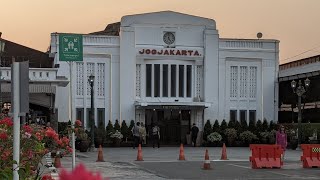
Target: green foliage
column 125, row 130
column 252, row 125
column 63, row 127
column 109, row 129
column 116, row 125
column 216, row 126
column 214, row 137
column 223, row 126
column 207, row 130
column 244, row 125
column 259, row 127
column 272, row 126
column 131, row 124
column 231, row 134
column 248, row 137
column 265, row 125
column 101, row 132
column 231, row 124
column 238, row 127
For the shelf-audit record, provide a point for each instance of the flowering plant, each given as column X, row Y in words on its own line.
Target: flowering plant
column 116, row 134
column 214, row 137
column 80, row 173
column 33, row 142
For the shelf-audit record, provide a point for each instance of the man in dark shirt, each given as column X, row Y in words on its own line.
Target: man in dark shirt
column 194, row 131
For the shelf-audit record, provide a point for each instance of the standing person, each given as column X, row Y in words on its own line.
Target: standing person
column 136, row 135
column 281, row 139
column 143, row 133
column 155, row 135
column 194, row 132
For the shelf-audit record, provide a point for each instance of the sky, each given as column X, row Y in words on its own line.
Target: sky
column 295, row 23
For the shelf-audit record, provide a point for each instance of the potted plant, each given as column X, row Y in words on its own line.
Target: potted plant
column 214, row 138
column 116, row 136
column 82, row 137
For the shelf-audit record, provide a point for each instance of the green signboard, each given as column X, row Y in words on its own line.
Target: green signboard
column 70, row 47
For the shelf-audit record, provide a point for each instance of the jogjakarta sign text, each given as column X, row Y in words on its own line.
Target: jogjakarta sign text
column 170, row 52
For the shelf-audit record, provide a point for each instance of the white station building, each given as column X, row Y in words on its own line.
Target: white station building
column 172, row 69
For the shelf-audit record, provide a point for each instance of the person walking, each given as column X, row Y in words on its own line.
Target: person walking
column 194, row 132
column 155, row 135
column 281, row 139
column 136, row 135
column 143, row 133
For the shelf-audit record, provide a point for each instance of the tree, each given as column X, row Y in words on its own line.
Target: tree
column 252, row 125
column 125, row 130
column 272, row 126
column 216, row 126
column 244, row 125
column 231, row 124
column 265, row 125
column 117, row 125
column 109, row 128
column 224, row 125
column 130, row 128
column 259, row 127
column 238, row 127
column 207, row 130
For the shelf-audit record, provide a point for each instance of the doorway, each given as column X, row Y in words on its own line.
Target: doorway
column 174, row 124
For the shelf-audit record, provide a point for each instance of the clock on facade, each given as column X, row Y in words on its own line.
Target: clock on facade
column 169, row 38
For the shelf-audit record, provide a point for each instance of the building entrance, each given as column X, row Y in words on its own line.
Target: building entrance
column 174, row 124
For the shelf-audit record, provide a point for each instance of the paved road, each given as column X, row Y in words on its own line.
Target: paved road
column 163, row 164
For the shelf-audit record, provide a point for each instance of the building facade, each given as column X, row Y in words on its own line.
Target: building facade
column 173, row 69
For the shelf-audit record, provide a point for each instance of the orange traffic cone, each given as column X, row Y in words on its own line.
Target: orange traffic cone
column 139, row 156
column 224, row 152
column 100, row 155
column 57, row 161
column 206, row 164
column 181, row 154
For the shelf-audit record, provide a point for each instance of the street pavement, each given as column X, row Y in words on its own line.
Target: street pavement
column 163, row 163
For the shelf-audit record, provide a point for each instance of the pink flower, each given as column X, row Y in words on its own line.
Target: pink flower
column 27, row 129
column 39, row 136
column 47, row 177
column 78, row 123
column 28, row 135
column 79, row 173
column 3, row 136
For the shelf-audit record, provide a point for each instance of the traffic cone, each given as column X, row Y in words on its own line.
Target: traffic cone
column 206, row 164
column 139, row 156
column 100, row 155
column 57, row 161
column 181, row 154
column 224, row 152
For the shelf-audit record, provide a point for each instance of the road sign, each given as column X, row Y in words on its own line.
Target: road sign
column 70, row 47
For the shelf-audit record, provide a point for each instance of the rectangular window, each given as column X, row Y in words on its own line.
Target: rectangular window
column 253, row 82
column 252, row 116
column 165, row 80
column 243, row 81
column 173, row 80
column 234, row 81
column 100, row 114
column 148, row 79
column 181, row 80
column 233, row 115
column 89, row 121
column 189, row 80
column 156, row 80
column 243, row 115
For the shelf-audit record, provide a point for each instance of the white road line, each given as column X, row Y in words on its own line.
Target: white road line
column 283, row 174
column 246, row 167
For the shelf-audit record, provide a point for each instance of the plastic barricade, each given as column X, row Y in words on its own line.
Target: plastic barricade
column 311, row 155
column 266, row 156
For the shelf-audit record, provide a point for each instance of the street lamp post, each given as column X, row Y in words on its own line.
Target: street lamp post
column 91, row 81
column 2, row 44
column 300, row 90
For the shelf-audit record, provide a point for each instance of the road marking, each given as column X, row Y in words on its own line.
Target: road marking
column 283, row 174
column 240, row 166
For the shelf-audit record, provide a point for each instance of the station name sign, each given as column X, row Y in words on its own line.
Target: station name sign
column 171, row 52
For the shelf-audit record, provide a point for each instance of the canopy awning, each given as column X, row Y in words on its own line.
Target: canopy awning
column 172, row 105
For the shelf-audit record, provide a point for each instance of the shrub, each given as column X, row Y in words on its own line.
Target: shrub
column 252, row 125
column 238, row 127
column 231, row 134
column 124, row 129
column 264, row 136
column 109, row 129
column 214, row 137
column 247, row 137
column 216, row 126
column 223, row 126
column 207, row 130
column 116, row 135
column 265, row 125
column 130, row 128
column 272, row 126
column 116, row 125
column 272, row 136
column 259, row 126
column 231, row 124
column 244, row 125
